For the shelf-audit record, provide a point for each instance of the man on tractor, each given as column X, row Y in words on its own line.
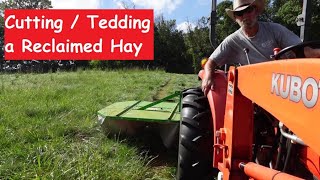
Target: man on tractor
column 252, row 43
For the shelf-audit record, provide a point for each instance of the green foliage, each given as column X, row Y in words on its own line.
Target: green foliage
column 315, row 20
column 268, row 13
column 198, row 42
column 1, row 39
column 170, row 52
column 170, row 48
column 287, row 14
column 25, row 4
column 19, row 4
column 224, row 25
column 49, row 129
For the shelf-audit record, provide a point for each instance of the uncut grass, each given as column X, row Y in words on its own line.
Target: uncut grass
column 48, row 126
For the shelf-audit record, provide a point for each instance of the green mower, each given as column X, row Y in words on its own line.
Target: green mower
column 133, row 117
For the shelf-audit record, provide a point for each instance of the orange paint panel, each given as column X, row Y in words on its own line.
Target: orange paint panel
column 237, row 131
column 217, row 100
column 289, row 90
column 259, row 172
column 311, row 160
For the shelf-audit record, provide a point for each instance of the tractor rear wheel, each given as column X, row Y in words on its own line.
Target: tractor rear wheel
column 196, row 138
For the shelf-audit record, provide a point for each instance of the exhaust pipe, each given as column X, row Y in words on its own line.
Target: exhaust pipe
column 213, row 17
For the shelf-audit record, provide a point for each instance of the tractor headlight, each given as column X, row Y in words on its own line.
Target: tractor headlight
column 203, row 62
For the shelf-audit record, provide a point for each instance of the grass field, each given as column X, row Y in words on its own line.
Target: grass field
column 49, row 129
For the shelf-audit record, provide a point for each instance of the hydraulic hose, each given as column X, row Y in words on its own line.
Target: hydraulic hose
column 292, row 137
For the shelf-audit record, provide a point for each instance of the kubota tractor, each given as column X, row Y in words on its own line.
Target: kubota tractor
column 260, row 121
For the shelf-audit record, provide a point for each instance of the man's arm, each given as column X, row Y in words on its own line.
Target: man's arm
column 311, row 53
column 286, row 38
column 207, row 81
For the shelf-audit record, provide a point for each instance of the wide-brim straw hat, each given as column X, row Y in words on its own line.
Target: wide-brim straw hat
column 239, row 5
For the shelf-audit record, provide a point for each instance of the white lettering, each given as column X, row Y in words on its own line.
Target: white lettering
column 113, row 46
column 295, row 92
column 45, row 45
column 37, row 48
column 77, row 47
column 97, row 47
column 9, row 48
column 103, row 24
column 7, row 21
column 87, row 47
column 274, row 83
column 113, row 22
column 127, row 47
column 61, row 47
column 138, row 48
column 126, row 22
column 284, row 94
column 296, row 89
column 92, row 17
column 312, row 102
column 36, row 23
column 145, row 26
column 26, row 45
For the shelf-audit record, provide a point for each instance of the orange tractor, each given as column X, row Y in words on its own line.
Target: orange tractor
column 260, row 121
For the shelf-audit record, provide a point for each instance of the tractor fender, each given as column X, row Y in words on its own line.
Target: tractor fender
column 217, row 102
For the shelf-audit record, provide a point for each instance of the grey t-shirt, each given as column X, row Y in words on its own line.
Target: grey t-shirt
column 269, row 36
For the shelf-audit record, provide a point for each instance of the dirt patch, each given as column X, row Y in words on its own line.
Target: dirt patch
column 163, row 91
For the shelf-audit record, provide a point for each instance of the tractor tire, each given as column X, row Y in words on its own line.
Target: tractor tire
column 196, row 137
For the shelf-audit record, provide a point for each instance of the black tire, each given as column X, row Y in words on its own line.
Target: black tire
column 196, row 138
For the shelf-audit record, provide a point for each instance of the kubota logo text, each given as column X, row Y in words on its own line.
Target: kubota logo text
column 295, row 89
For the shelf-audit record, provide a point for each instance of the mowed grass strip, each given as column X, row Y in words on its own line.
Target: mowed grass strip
column 49, row 130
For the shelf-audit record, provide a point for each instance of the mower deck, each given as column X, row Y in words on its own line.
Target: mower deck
column 136, row 111
column 133, row 117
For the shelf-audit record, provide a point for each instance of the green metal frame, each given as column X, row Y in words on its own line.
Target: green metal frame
column 177, row 93
column 130, row 110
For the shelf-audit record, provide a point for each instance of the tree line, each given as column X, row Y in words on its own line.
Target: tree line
column 181, row 52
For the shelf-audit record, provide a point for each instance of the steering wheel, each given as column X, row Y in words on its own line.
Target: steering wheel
column 298, row 49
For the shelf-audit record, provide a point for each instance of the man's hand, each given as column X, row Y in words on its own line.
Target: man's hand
column 208, row 80
column 207, row 84
column 311, row 53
